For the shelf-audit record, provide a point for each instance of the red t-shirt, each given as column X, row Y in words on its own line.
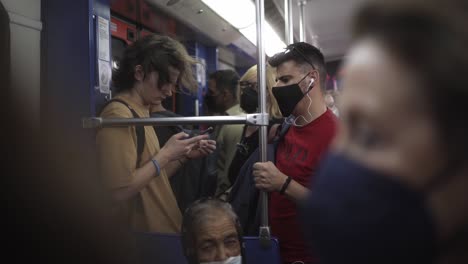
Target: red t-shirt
column 297, row 156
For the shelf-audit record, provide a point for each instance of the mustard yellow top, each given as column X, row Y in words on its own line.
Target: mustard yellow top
column 155, row 208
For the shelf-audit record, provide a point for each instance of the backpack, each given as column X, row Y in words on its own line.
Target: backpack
column 244, row 196
column 193, row 179
column 140, row 130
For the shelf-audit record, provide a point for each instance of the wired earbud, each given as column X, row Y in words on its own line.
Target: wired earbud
column 312, row 81
column 311, row 84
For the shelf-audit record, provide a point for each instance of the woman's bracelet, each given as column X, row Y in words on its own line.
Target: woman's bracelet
column 156, row 165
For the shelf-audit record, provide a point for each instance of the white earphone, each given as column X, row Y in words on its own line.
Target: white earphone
column 312, row 81
column 311, row 84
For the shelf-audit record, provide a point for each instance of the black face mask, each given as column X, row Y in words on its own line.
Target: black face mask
column 289, row 96
column 249, row 100
column 210, row 102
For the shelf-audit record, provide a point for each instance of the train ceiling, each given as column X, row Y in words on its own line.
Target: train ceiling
column 326, row 20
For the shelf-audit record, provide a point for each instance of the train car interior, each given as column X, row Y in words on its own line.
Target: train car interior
column 73, row 47
column 59, row 65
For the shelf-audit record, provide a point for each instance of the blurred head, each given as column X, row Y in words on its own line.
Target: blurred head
column 298, row 69
column 402, row 141
column 405, row 85
column 154, row 66
column 248, row 83
column 211, row 232
column 329, row 100
column 223, row 86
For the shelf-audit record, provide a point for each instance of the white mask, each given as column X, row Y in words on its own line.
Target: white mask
column 231, row 260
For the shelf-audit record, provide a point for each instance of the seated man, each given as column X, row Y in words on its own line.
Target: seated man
column 211, row 233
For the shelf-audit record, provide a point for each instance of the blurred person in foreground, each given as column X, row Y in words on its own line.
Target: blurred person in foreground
column 150, row 70
column 394, row 187
column 211, row 233
column 55, row 208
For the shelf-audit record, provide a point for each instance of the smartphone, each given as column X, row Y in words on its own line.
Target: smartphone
column 207, row 131
column 192, row 133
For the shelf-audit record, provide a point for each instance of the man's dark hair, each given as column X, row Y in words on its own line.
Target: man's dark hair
column 432, row 41
column 226, row 80
column 303, row 54
column 155, row 53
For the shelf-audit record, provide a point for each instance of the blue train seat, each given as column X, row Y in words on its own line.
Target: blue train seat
column 167, row 248
column 254, row 253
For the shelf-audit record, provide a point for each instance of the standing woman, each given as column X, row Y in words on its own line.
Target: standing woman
column 150, row 70
column 249, row 103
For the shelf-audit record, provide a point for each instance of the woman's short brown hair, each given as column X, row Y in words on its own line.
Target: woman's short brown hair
column 155, row 53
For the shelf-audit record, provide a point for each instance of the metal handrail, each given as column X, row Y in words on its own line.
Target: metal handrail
column 302, row 29
column 288, row 22
column 250, row 119
column 264, row 232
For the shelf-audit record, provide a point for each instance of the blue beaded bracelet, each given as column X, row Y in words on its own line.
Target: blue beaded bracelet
column 156, row 165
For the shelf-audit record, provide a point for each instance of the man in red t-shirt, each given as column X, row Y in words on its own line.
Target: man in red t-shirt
column 301, row 75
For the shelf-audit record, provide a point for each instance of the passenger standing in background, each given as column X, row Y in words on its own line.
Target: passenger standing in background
column 301, row 76
column 158, row 110
column 331, row 104
column 149, row 71
column 222, row 98
column 249, row 103
column 394, row 187
column 193, row 180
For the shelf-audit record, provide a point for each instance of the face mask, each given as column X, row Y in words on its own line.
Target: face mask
column 210, row 102
column 355, row 213
column 289, row 96
column 231, row 260
column 249, row 100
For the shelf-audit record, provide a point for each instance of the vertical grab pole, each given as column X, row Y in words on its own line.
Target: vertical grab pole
column 302, row 32
column 288, row 22
column 264, row 232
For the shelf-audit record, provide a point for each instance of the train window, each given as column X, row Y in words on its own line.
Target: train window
column 131, row 35
column 118, row 48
